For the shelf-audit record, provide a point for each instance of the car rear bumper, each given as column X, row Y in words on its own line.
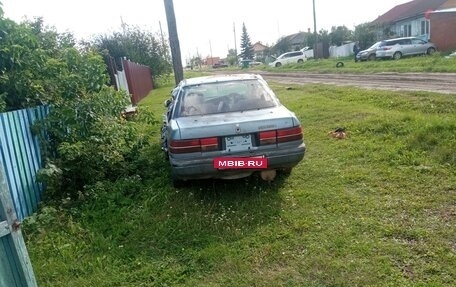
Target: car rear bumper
column 204, row 168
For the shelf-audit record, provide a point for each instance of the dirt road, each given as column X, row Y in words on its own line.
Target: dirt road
column 432, row 82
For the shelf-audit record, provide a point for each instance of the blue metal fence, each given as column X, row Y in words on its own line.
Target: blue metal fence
column 20, row 157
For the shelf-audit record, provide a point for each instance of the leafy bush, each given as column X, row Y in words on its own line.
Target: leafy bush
column 138, row 46
column 90, row 141
column 39, row 66
column 86, row 139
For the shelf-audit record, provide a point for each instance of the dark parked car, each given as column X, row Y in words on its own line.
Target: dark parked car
column 229, row 126
column 406, row 46
column 219, row 65
column 368, row 54
column 248, row 63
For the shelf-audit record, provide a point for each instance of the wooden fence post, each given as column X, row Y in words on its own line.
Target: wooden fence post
column 15, row 266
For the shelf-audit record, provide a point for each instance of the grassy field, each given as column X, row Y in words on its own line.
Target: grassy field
column 428, row 64
column 375, row 209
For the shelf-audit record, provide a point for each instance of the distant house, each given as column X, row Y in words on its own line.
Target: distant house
column 297, row 40
column 259, row 50
column 210, row 61
column 433, row 20
column 443, row 29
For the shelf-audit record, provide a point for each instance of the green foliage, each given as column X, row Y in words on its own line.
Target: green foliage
column 136, row 45
column 196, row 62
column 339, row 35
column 246, row 45
column 90, row 141
column 366, row 34
column 425, row 63
column 39, row 66
column 282, row 46
column 20, row 58
column 231, row 58
column 84, row 138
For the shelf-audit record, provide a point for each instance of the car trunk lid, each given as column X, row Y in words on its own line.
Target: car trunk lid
column 236, row 123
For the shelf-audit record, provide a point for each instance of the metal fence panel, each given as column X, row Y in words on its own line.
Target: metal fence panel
column 139, row 78
column 21, row 159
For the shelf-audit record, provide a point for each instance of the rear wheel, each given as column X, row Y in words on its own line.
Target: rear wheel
column 430, row 51
column 179, row 183
column 397, row 55
column 300, row 61
column 278, row 64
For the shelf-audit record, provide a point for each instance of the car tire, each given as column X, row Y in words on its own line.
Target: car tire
column 178, row 183
column 300, row 61
column 397, row 55
column 278, row 64
column 371, row 57
column 286, row 170
column 430, row 51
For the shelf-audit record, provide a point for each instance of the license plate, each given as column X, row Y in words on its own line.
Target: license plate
column 240, row 163
column 238, row 143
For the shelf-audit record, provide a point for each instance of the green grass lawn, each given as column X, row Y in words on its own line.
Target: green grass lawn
column 429, row 64
column 375, row 209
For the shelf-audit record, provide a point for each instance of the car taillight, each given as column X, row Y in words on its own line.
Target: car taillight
column 386, row 48
column 269, row 137
column 280, row 136
column 194, row 145
column 209, row 144
column 288, row 135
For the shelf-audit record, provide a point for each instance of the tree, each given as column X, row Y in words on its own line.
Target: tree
column 231, row 58
column 86, row 139
column 196, row 61
column 246, row 45
column 340, row 34
column 282, row 46
column 40, row 66
column 366, row 34
column 138, row 46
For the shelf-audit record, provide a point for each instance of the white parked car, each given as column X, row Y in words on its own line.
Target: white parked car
column 288, row 58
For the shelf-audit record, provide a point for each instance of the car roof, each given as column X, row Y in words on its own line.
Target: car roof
column 401, row 38
column 292, row 52
column 219, row 78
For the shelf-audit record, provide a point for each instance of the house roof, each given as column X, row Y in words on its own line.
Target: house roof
column 409, row 9
column 258, row 47
column 296, row 39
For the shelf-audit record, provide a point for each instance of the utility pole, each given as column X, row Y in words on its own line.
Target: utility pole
column 174, row 41
column 164, row 49
column 210, row 48
column 235, row 44
column 315, row 31
column 122, row 24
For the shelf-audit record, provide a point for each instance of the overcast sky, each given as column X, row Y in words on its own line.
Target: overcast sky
column 204, row 26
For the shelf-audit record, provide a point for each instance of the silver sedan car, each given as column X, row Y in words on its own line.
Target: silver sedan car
column 406, row 46
column 229, row 126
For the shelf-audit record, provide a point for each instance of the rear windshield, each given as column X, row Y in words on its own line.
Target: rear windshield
column 223, row 97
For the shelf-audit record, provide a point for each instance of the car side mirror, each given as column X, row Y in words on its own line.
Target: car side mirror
column 167, row 103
